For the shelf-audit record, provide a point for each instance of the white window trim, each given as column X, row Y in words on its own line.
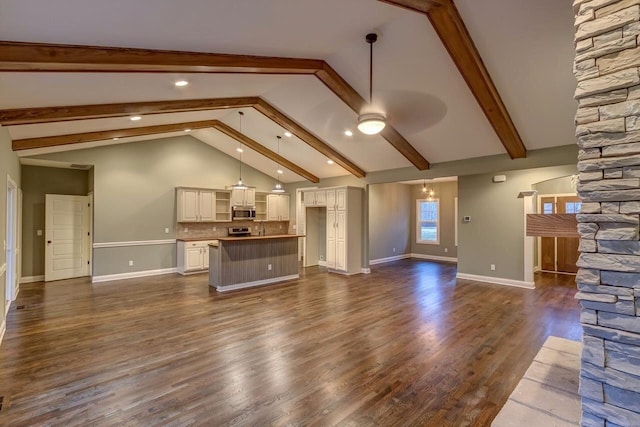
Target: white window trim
column 419, row 241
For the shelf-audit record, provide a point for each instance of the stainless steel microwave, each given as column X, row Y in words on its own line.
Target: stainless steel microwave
column 244, row 213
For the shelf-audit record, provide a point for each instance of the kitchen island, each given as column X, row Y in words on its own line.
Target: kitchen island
column 244, row 262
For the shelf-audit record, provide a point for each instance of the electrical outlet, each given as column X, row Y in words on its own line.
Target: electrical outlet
column 214, row 228
column 446, row 250
column 394, row 249
column 130, row 263
column 186, row 229
column 295, row 227
column 166, row 230
column 38, row 232
column 280, row 226
column 256, row 227
column 269, row 267
column 493, row 267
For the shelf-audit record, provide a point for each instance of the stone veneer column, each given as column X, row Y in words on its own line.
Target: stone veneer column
column 608, row 131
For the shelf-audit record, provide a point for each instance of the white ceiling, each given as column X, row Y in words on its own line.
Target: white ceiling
column 526, row 46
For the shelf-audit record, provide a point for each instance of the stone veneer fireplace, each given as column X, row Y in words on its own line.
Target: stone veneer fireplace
column 608, row 131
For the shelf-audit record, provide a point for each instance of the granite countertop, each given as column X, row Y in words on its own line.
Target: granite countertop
column 196, row 239
column 273, row 236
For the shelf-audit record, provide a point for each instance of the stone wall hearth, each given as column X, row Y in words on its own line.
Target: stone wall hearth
column 608, row 132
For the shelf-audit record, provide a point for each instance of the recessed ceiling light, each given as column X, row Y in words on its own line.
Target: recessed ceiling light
column 116, row 138
column 181, row 83
column 288, row 134
column 348, row 133
column 135, row 118
column 239, row 150
column 280, row 171
column 187, row 130
column 330, row 161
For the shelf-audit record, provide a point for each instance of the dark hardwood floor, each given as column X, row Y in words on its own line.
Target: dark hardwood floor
column 403, row 346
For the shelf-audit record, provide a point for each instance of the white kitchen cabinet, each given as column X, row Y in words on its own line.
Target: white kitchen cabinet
column 193, row 256
column 278, row 207
column 315, row 198
column 246, row 197
column 344, row 230
column 202, row 205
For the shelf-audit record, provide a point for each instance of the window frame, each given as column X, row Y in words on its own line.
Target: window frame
column 419, row 240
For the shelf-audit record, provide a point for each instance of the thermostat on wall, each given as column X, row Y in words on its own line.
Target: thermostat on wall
column 499, row 178
column 466, row 219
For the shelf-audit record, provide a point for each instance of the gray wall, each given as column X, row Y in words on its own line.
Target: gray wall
column 9, row 165
column 555, row 186
column 134, row 186
column 389, row 220
column 495, row 234
column 36, row 183
column 446, row 192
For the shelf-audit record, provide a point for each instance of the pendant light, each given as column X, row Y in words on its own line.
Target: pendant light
column 277, row 188
column 425, row 191
column 371, row 123
column 424, row 186
column 240, row 185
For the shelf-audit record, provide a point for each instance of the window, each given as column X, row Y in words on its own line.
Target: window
column 547, row 208
column 572, row 207
column 428, row 221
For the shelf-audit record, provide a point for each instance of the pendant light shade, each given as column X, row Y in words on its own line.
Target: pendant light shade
column 371, row 123
column 240, row 185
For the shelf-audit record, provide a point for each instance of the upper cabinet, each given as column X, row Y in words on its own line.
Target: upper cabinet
column 315, row 198
column 277, row 207
column 246, row 197
column 202, row 205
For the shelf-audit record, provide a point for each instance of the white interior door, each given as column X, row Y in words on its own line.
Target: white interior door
column 66, row 229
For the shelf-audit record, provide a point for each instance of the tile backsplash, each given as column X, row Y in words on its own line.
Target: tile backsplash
column 206, row 229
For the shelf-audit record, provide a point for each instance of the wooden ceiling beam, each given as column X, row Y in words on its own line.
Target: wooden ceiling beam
column 26, row 116
column 79, row 138
column 35, row 57
column 292, row 126
column 18, row 56
column 455, row 37
column 256, row 146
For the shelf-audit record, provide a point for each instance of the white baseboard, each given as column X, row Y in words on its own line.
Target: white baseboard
column 322, row 263
column 3, row 329
column 389, row 259
column 365, row 270
column 497, row 280
column 31, row 279
column 435, row 258
column 256, row 283
column 133, row 275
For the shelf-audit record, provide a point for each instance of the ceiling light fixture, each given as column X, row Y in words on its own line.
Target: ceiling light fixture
column 277, row 188
column 240, row 185
column 181, row 83
column 330, row 161
column 135, row 118
column 288, row 134
column 187, row 130
column 116, row 138
column 371, row 123
column 348, row 133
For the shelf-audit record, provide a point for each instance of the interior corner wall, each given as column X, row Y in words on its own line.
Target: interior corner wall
column 446, row 193
column 9, row 165
column 134, row 195
column 36, row 183
column 495, row 234
column 389, row 220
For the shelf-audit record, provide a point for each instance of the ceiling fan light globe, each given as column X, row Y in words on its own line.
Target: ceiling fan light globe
column 371, row 124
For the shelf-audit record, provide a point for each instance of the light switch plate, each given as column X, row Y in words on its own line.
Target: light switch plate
column 38, row 232
column 166, row 230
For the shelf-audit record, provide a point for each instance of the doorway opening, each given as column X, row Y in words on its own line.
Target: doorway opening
column 11, row 243
column 558, row 254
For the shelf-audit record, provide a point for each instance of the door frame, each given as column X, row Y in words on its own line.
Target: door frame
column 539, row 239
column 11, row 273
column 301, row 213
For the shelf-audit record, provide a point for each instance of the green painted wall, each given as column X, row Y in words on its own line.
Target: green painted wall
column 389, row 220
column 446, row 192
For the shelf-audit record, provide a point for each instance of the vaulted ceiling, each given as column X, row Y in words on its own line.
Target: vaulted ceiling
column 436, row 112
